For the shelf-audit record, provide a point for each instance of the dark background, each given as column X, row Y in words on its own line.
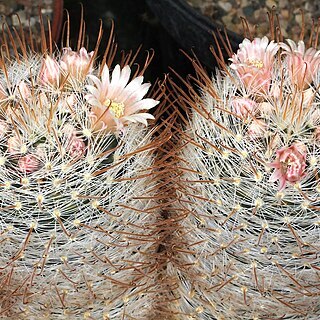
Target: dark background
column 135, row 24
column 166, row 26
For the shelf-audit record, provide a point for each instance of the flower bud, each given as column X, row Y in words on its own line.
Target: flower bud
column 76, row 65
column 49, row 73
column 76, row 147
column 289, row 165
column 243, row 106
column 28, row 163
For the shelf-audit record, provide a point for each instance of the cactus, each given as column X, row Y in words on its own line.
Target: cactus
column 247, row 206
column 77, row 200
column 103, row 218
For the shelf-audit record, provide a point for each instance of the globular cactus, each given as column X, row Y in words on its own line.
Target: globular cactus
column 247, row 238
column 77, row 209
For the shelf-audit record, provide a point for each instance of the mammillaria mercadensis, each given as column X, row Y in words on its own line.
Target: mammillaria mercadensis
column 77, row 215
column 249, row 187
column 223, row 225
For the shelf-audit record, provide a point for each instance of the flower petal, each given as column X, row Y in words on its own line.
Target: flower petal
column 125, row 76
column 144, row 104
column 105, row 77
column 134, row 85
column 139, row 117
column 114, row 84
column 96, row 81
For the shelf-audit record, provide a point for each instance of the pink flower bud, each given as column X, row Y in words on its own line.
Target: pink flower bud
column 76, row 147
column 28, row 163
column 49, row 73
column 289, row 165
column 275, row 90
column 243, row 106
column 76, row 65
column 257, row 129
column 302, row 64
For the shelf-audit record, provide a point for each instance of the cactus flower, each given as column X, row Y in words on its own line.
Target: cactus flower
column 115, row 102
column 49, row 73
column 14, row 144
column 28, row 163
column 253, row 62
column 76, row 64
column 302, row 64
column 289, row 165
column 256, row 129
column 76, row 147
column 243, row 106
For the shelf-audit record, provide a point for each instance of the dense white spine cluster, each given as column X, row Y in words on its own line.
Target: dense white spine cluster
column 253, row 247
column 76, row 205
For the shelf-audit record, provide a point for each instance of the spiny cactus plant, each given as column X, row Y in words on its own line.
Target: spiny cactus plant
column 78, row 215
column 247, row 238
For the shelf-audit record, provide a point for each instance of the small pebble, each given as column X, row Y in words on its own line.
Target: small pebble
column 270, row 4
column 226, row 6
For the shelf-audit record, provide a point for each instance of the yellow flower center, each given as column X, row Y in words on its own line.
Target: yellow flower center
column 256, row 63
column 117, row 108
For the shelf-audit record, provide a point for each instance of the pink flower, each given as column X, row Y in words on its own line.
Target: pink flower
column 254, row 62
column 116, row 102
column 76, row 147
column 28, row 163
column 302, row 63
column 257, row 129
column 49, row 72
column 76, row 65
column 243, row 106
column 289, row 164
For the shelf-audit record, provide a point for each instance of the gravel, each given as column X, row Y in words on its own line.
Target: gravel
column 229, row 13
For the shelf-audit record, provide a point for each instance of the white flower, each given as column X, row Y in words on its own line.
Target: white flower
column 116, row 101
